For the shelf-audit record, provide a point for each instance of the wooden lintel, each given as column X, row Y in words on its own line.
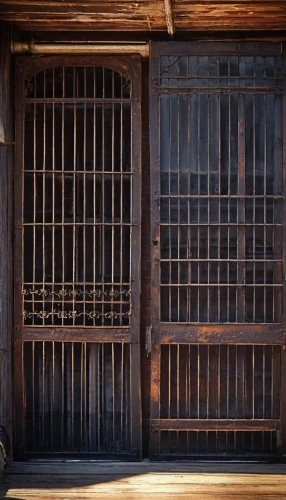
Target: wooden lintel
column 214, row 425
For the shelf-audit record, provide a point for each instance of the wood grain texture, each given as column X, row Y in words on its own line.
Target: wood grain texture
column 6, row 292
column 141, row 480
column 144, row 15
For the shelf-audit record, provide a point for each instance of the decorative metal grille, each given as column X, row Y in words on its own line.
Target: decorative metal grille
column 77, row 186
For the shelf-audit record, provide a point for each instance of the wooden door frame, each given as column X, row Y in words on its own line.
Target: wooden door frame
column 130, row 68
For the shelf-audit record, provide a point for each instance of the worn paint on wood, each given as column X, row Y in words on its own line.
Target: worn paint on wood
column 144, row 15
column 6, row 293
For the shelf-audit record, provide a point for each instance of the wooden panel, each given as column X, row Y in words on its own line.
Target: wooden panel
column 218, row 381
column 144, row 15
column 77, row 397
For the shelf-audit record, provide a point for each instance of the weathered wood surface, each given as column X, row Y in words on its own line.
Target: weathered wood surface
column 5, row 232
column 144, row 15
column 128, row 481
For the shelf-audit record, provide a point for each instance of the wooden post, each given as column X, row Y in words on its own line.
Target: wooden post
column 6, row 289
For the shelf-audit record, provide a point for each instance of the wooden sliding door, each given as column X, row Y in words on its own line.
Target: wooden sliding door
column 77, row 256
column 218, row 186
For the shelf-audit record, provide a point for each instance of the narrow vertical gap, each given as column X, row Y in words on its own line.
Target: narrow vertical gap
column 208, row 396
column 169, row 390
column 34, row 209
column 179, row 205
column 219, row 205
column 81, row 395
column 74, row 249
column 85, row 438
column 263, row 395
column 72, row 395
column 52, row 396
column 113, row 396
column 253, row 208
column 43, row 395
column 33, row 396
column 228, row 201
column 63, row 399
column 253, row 391
column 198, row 387
column 199, row 203
column 122, row 395
column 189, row 293
column 85, row 228
column 241, row 211
column 227, row 395
column 112, row 202
column 99, row 384
column 103, row 204
column 102, row 396
column 44, row 195
column 208, row 210
column 264, row 212
column 170, row 213
column 94, row 275
column 121, row 207
column 63, row 208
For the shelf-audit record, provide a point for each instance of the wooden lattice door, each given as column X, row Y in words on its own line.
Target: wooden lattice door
column 77, row 248
column 217, row 238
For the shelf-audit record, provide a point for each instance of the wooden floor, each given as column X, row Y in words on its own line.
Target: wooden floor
column 145, row 480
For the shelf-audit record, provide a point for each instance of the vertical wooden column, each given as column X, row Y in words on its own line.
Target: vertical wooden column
column 283, row 352
column 155, row 256
column 6, row 290
column 241, row 209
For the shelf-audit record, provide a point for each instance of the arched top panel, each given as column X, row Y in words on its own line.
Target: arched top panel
column 59, row 77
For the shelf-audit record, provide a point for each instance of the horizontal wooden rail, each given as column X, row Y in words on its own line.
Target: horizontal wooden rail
column 168, row 333
column 214, row 425
column 71, row 334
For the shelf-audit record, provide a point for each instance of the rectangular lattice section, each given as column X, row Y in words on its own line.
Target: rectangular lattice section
column 240, row 445
column 77, row 397
column 77, row 185
column 219, row 382
column 221, row 190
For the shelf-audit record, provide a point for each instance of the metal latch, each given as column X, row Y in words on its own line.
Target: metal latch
column 148, row 340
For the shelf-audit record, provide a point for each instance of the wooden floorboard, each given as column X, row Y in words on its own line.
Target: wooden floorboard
column 141, row 481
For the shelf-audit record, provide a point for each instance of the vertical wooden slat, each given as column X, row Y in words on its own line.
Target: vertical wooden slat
column 155, row 245
column 241, row 210
column 283, row 352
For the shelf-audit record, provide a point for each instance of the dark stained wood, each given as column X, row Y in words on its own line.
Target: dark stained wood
column 145, row 15
column 214, row 334
column 214, row 425
column 220, row 361
column 205, row 48
column 70, row 334
column 55, row 348
column 6, row 289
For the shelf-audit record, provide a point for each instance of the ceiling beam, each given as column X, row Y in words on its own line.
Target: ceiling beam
column 169, row 11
